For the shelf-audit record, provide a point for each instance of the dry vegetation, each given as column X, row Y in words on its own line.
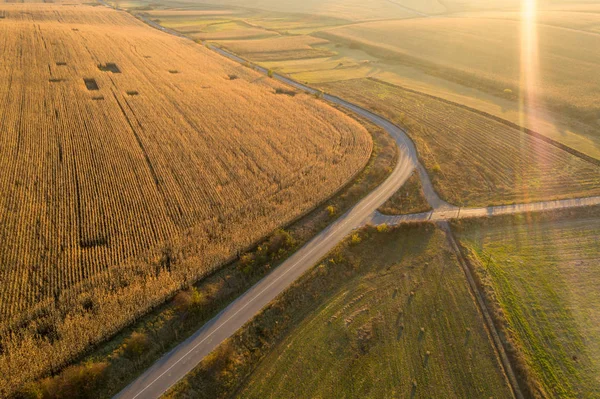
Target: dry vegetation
column 409, row 199
column 280, row 48
column 388, row 315
column 473, row 159
column 132, row 165
column 345, row 9
column 486, row 53
column 570, row 19
column 541, row 275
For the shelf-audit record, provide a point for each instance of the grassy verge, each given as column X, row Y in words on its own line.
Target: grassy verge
column 112, row 365
column 540, row 275
column 386, row 314
column 409, row 199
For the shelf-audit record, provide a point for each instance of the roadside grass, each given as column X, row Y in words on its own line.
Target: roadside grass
column 541, row 273
column 388, row 316
column 409, row 199
column 474, row 160
column 114, row 364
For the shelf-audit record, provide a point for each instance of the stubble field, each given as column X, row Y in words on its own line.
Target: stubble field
column 474, row 160
column 133, row 163
column 486, row 53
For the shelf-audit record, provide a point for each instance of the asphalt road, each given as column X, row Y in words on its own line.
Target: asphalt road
column 176, row 364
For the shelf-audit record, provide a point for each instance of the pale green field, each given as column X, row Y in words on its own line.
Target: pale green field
column 545, row 274
column 408, row 317
column 388, row 317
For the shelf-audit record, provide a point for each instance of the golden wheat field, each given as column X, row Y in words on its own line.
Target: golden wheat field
column 133, row 162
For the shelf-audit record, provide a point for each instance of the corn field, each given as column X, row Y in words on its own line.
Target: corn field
column 131, row 165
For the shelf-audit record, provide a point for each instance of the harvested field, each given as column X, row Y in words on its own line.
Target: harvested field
column 543, row 275
column 388, row 317
column 225, row 31
column 279, row 48
column 574, row 19
column 351, row 10
column 567, row 79
column 114, row 198
column 474, row 160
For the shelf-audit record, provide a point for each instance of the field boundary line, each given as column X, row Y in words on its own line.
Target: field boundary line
column 488, row 320
column 495, row 118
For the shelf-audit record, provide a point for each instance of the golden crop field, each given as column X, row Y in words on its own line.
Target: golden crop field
column 474, row 160
column 486, row 53
column 133, row 162
column 279, row 48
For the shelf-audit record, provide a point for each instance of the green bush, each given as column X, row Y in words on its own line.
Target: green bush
column 135, row 345
column 74, row 382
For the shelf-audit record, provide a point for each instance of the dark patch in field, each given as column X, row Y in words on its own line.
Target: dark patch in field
column 91, row 84
column 173, row 71
column 94, row 243
column 55, row 80
column 133, row 93
column 232, row 77
column 109, row 67
column 46, row 329
column 98, row 98
column 61, row 63
column 88, row 304
column 290, row 93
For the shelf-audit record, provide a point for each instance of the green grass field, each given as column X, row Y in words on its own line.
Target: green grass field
column 391, row 316
column 544, row 273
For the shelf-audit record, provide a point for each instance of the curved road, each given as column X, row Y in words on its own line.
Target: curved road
column 176, row 364
column 182, row 359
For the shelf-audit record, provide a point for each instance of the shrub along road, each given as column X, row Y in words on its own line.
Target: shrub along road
column 177, row 363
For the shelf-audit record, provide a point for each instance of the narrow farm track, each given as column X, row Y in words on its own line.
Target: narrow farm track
column 181, row 360
column 439, row 215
